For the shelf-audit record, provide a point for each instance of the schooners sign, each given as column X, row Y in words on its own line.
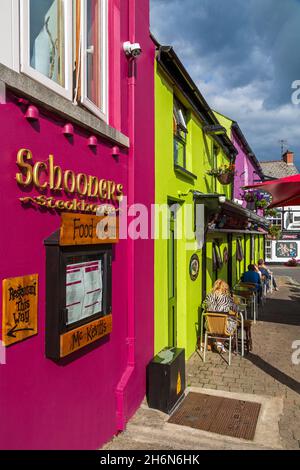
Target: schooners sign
column 47, row 175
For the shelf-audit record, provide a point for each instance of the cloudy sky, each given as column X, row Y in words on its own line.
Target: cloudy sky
column 244, row 56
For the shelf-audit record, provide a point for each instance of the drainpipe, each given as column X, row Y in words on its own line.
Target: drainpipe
column 130, row 340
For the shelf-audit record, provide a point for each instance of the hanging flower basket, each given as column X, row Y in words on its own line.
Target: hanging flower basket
column 261, row 204
column 225, row 178
column 224, row 173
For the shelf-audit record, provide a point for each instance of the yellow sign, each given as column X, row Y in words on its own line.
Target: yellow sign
column 84, row 335
column 178, row 388
column 20, row 308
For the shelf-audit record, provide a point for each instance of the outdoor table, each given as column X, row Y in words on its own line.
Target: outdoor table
column 248, row 293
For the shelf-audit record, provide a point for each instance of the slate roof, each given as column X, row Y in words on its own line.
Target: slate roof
column 278, row 169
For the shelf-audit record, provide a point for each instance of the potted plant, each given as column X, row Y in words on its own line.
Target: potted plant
column 275, row 232
column 292, row 263
column 261, row 203
column 224, row 173
column 249, row 196
column 270, row 212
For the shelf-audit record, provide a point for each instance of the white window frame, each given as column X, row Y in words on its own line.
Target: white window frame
column 15, row 27
column 67, row 90
column 269, row 249
column 103, row 13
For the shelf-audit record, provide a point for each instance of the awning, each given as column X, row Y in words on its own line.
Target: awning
column 284, row 191
column 217, row 204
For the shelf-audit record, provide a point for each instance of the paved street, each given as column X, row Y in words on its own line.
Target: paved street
column 285, row 271
column 267, row 372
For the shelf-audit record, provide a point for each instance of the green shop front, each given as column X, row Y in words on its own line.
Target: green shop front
column 189, row 144
column 234, row 239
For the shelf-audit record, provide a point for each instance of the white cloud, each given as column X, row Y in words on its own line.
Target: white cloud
column 243, row 57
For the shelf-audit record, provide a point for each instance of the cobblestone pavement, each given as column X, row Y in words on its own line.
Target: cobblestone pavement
column 268, row 369
column 267, row 372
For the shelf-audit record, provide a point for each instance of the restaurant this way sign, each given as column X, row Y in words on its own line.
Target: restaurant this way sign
column 19, row 308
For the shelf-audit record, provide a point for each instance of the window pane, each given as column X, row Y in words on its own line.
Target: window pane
column 180, row 116
column 94, row 51
column 179, row 153
column 47, row 34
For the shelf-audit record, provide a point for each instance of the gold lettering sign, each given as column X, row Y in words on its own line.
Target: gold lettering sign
column 46, row 174
column 82, row 229
column 84, row 335
column 20, row 307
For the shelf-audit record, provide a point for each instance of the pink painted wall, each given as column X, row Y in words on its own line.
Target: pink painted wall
column 245, row 169
column 44, row 405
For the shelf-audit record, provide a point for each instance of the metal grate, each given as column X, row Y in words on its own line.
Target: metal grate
column 235, row 418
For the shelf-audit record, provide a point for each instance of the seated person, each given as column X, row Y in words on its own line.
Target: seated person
column 253, row 277
column 267, row 273
column 219, row 300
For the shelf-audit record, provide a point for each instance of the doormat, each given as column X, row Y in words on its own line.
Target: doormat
column 234, row 418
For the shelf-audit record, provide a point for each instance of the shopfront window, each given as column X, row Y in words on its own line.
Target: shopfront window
column 47, row 39
column 268, row 249
column 239, row 250
column 64, row 46
column 180, row 134
column 276, row 219
column 217, row 258
column 94, row 60
column 45, row 44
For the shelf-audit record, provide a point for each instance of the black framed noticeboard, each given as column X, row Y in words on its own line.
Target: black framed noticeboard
column 78, row 296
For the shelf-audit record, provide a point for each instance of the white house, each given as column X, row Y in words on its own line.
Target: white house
column 287, row 218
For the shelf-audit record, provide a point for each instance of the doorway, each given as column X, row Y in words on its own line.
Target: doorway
column 172, row 278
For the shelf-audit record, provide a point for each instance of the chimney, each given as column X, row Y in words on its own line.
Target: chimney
column 288, row 157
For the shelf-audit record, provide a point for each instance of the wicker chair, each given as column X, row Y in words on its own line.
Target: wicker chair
column 216, row 325
column 248, row 292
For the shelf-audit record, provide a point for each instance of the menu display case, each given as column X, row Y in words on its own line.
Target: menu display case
column 78, row 296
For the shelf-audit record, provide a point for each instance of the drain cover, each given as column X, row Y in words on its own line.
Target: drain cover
column 235, row 418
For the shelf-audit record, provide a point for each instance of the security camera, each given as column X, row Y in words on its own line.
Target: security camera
column 132, row 49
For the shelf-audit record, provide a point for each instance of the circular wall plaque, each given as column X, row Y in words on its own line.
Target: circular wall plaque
column 194, row 267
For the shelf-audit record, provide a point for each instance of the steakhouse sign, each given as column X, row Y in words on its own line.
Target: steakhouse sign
column 47, row 175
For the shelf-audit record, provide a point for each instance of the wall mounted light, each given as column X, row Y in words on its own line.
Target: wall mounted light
column 68, row 130
column 115, row 151
column 32, row 113
column 92, row 141
column 23, row 101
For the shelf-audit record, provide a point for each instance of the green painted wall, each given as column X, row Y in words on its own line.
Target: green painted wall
column 225, row 122
column 168, row 184
column 247, row 251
